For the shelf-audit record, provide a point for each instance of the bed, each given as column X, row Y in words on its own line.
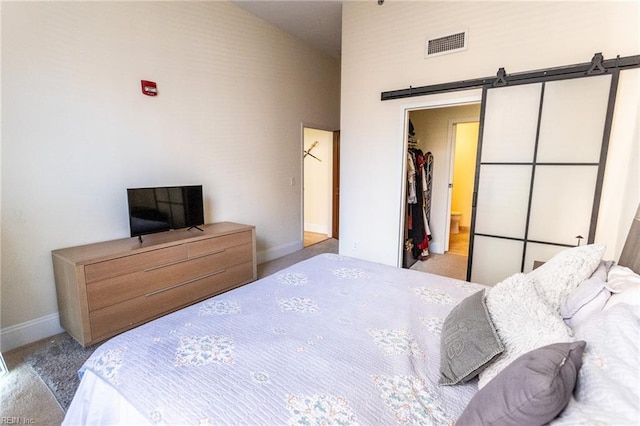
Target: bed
column 337, row 340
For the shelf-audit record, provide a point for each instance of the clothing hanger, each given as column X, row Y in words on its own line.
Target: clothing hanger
column 308, row 152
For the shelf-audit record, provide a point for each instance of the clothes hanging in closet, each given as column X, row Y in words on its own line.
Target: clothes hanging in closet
column 417, row 191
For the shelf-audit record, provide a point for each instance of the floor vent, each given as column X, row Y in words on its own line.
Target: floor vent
column 445, row 44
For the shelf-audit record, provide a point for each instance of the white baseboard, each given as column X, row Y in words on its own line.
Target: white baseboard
column 279, row 251
column 28, row 332
column 318, row 228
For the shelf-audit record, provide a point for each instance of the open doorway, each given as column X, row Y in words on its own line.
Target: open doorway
column 319, row 170
column 463, row 164
column 450, row 135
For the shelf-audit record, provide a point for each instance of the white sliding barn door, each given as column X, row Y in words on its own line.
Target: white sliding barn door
column 539, row 173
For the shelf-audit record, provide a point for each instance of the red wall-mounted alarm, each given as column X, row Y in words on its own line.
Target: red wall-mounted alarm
column 149, row 88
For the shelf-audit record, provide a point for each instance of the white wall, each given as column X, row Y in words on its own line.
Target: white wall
column 317, row 181
column 466, row 145
column 76, row 130
column 382, row 50
column 621, row 185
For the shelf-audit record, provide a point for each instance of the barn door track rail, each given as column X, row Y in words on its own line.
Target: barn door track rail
column 598, row 65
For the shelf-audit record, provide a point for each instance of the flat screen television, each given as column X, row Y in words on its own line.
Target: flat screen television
column 164, row 208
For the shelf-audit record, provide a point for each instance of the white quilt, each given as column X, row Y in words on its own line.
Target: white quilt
column 331, row 340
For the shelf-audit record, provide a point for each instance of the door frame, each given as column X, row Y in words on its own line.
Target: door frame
column 451, row 153
column 334, row 173
column 335, row 186
column 472, row 96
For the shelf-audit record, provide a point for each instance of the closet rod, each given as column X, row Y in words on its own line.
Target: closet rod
column 595, row 67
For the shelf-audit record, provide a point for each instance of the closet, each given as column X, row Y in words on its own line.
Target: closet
column 418, row 198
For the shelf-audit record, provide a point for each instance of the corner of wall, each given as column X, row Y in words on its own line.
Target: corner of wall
column 279, row 251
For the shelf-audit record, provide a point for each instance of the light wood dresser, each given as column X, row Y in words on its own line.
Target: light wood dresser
column 106, row 288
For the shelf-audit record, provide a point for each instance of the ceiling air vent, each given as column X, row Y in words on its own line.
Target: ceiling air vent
column 444, row 44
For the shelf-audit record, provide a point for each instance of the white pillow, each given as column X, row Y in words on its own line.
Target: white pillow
column 607, row 391
column 621, row 278
column 524, row 321
column 560, row 275
column 586, row 300
column 625, row 286
column 630, row 296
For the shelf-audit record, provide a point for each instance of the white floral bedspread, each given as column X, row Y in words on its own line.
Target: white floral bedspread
column 331, row 340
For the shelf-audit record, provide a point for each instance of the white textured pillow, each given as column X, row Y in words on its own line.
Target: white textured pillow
column 524, row 321
column 560, row 275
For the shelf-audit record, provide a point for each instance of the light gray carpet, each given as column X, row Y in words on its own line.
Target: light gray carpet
column 448, row 265
column 58, row 364
column 327, row 246
column 24, row 398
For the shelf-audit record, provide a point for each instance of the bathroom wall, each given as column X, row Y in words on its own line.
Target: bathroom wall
column 464, row 164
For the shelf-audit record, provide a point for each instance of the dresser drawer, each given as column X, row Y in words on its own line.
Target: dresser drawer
column 114, row 290
column 137, row 262
column 108, row 287
column 212, row 245
column 116, row 318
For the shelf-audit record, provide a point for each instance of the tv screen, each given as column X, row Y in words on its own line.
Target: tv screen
column 164, row 208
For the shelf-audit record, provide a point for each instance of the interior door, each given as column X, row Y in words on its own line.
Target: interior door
column 539, row 173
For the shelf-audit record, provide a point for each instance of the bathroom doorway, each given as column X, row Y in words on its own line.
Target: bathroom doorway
column 463, row 163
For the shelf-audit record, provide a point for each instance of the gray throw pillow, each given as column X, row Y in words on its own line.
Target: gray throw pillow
column 532, row 390
column 468, row 342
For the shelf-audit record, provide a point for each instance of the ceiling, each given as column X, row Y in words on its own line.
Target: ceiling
column 318, row 23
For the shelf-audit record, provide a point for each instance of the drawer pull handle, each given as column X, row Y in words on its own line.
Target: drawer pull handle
column 162, row 290
column 164, row 265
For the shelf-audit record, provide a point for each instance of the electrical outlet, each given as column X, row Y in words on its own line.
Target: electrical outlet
column 355, row 245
